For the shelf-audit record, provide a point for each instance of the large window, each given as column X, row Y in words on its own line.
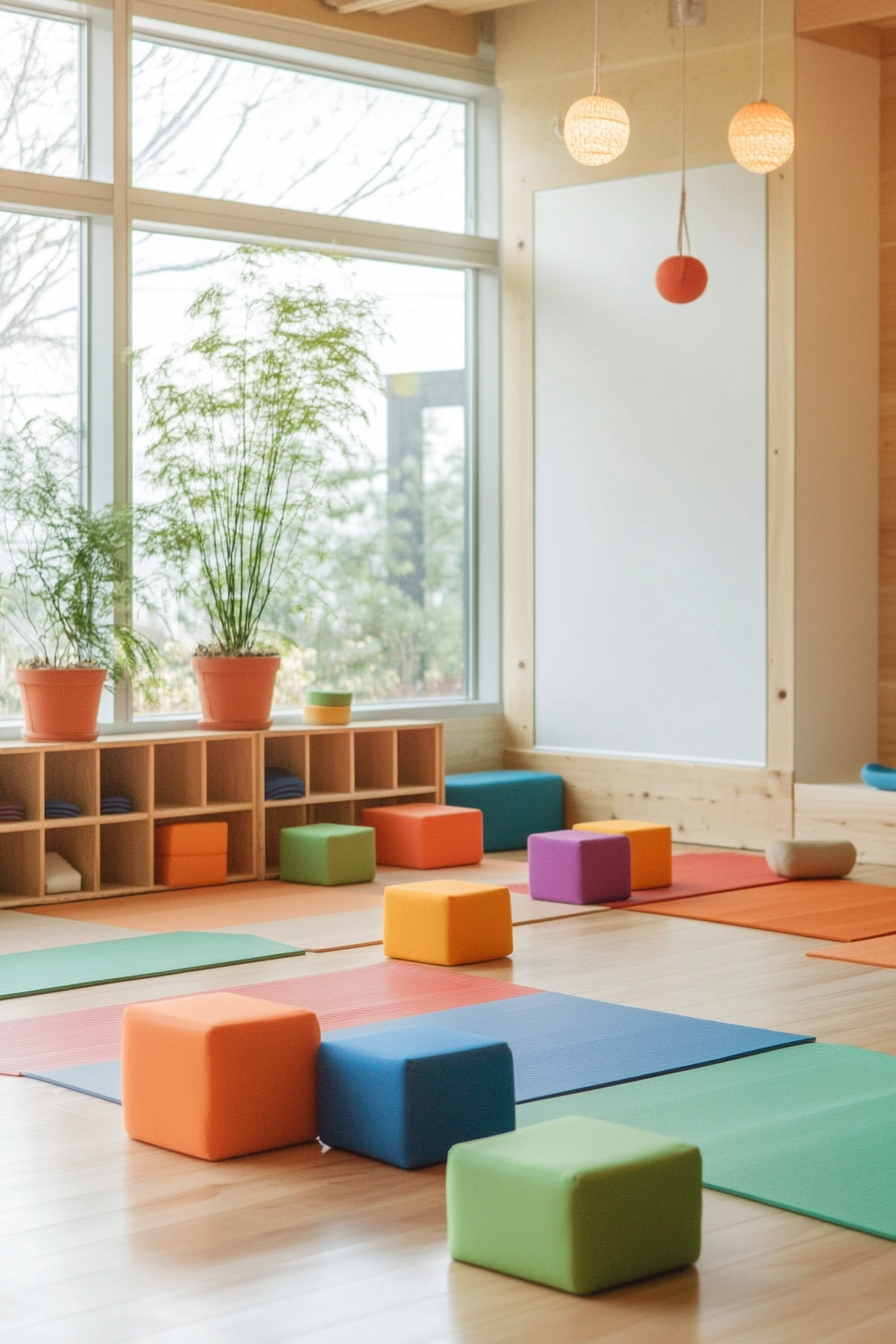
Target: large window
column 371, row 183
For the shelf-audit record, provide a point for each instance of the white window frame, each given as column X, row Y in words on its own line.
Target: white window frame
column 111, row 208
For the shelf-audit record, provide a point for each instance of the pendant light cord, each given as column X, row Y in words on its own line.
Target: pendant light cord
column 596, row 89
column 762, row 51
column 683, row 233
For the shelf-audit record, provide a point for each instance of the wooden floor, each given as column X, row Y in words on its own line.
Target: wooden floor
column 104, row 1240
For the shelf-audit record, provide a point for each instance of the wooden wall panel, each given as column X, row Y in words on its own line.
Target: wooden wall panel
column 731, row 806
column 474, row 743
column 887, row 596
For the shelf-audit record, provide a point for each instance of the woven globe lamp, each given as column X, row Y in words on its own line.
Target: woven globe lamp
column 761, row 137
column 596, row 129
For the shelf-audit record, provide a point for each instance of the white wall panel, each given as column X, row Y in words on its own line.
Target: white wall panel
column 650, row 564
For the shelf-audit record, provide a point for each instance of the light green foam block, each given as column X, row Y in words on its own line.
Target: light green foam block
column 55, row 968
column 811, row 1129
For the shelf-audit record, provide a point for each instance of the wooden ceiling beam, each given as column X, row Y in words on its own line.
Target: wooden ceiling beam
column 393, row 6
column 859, row 37
column 815, row 16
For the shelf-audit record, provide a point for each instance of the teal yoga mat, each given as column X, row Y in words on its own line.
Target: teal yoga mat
column 810, row 1129
column 23, row 973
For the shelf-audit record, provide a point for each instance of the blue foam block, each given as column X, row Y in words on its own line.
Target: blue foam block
column 565, row 1044
column 514, row 803
column 97, row 1080
column 405, row 1094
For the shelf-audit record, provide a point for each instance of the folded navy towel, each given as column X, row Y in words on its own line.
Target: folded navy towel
column 279, row 784
column 56, row 809
column 113, row 805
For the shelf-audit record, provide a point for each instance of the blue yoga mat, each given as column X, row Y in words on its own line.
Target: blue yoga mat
column 563, row 1044
column 560, row 1043
column 97, row 1080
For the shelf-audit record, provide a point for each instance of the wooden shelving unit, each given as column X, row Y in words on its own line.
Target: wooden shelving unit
column 346, row 770
column 191, row 776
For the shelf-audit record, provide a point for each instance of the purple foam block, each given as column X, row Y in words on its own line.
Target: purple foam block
column 580, row 867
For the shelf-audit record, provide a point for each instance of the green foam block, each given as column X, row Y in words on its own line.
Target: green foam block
column 328, row 698
column 575, row 1203
column 55, row 968
column 326, row 855
column 810, row 1129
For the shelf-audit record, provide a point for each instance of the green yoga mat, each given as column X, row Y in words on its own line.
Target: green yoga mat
column 811, row 1129
column 23, row 973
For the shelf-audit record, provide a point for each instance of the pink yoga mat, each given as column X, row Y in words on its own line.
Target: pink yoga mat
column 341, row 999
column 699, row 875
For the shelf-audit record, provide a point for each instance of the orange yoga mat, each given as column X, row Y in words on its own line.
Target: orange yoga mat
column 205, row 908
column 839, row 910
column 869, row 952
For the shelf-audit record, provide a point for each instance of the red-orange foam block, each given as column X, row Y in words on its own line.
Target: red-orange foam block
column 191, row 854
column 219, row 1075
column 425, row 835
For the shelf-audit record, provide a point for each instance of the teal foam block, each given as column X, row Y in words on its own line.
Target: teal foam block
column 514, row 804
column 56, row 968
column 809, row 1129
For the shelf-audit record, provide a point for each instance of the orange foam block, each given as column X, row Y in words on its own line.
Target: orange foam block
column 651, row 849
column 425, row 835
column 219, row 1075
column 447, row 923
column 191, row 854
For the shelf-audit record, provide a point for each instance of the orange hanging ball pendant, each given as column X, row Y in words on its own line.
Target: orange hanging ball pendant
column 681, row 279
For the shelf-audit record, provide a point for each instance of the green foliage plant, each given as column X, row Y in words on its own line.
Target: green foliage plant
column 65, row 570
column 240, row 423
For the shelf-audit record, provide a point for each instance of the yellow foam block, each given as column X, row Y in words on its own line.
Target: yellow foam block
column 327, row 714
column 651, row 849
column 447, row 923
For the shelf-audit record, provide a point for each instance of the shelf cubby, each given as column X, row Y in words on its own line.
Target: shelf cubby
column 20, row 783
column 78, row 846
column 126, row 856
column 72, row 776
column 289, row 751
column 179, row 774
column 339, row 813
column 241, row 861
column 277, row 819
column 21, row 865
column 418, row 758
column 127, row 772
column 329, row 763
column 230, row 770
column 376, row 759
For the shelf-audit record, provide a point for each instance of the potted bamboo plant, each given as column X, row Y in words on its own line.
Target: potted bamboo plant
column 65, row 572
column 238, row 425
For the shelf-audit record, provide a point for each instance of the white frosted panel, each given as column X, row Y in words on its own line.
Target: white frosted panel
column 650, row 570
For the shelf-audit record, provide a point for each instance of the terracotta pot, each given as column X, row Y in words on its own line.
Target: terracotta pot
column 236, row 693
column 60, row 704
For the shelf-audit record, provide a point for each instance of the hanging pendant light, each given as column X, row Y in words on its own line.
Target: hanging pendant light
column 596, row 129
column 682, row 278
column 761, row 134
